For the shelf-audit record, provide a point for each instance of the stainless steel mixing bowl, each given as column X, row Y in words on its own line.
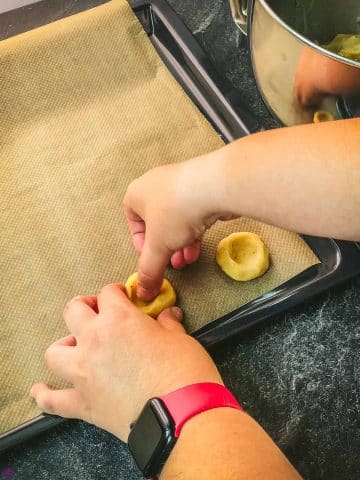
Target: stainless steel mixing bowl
column 295, row 74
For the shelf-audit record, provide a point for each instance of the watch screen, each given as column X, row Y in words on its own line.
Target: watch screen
column 145, row 437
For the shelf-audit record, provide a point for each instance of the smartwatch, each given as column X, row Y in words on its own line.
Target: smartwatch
column 153, row 436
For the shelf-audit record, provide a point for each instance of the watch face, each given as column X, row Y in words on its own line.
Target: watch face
column 152, row 438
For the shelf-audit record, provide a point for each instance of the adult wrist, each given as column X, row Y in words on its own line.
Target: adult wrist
column 203, row 433
column 155, row 433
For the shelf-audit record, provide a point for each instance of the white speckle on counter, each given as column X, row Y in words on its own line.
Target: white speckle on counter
column 204, row 25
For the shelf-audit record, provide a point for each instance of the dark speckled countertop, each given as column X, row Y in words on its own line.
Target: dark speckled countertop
column 298, row 375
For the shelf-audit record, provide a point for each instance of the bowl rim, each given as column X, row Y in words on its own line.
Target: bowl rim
column 306, row 41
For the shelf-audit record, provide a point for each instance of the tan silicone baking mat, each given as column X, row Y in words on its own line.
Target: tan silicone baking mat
column 86, row 106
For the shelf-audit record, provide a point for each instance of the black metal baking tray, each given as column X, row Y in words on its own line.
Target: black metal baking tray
column 222, row 106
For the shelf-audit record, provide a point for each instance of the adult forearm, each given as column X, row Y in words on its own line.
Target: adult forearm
column 305, row 178
column 226, row 444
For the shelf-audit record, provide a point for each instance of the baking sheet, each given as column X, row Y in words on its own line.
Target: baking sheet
column 86, row 106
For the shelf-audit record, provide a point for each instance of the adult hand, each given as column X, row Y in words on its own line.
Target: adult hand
column 168, row 209
column 116, row 358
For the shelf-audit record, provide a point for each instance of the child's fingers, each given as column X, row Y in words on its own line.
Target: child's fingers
column 151, row 268
column 191, row 253
column 136, row 227
column 186, row 256
column 138, row 240
column 178, row 260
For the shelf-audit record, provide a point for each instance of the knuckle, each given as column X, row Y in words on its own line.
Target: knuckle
column 45, row 403
column 107, row 287
column 77, row 298
column 79, row 369
column 116, row 286
column 109, row 330
column 115, row 328
column 48, row 356
column 145, row 278
column 94, row 341
column 126, row 200
column 87, row 411
column 128, row 318
column 112, row 313
column 129, row 192
column 72, row 302
column 104, row 288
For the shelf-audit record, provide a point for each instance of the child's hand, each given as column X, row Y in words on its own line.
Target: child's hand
column 168, row 209
column 116, row 358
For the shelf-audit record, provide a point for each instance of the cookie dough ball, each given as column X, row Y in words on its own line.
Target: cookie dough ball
column 323, row 116
column 165, row 299
column 243, row 256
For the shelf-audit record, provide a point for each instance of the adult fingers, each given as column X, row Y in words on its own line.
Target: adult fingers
column 112, row 296
column 171, row 319
column 78, row 311
column 65, row 403
column 61, row 359
column 151, row 268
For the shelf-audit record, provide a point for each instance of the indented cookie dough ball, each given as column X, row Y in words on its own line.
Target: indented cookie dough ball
column 165, row 299
column 243, row 256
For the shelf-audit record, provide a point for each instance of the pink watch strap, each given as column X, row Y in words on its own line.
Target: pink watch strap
column 191, row 400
